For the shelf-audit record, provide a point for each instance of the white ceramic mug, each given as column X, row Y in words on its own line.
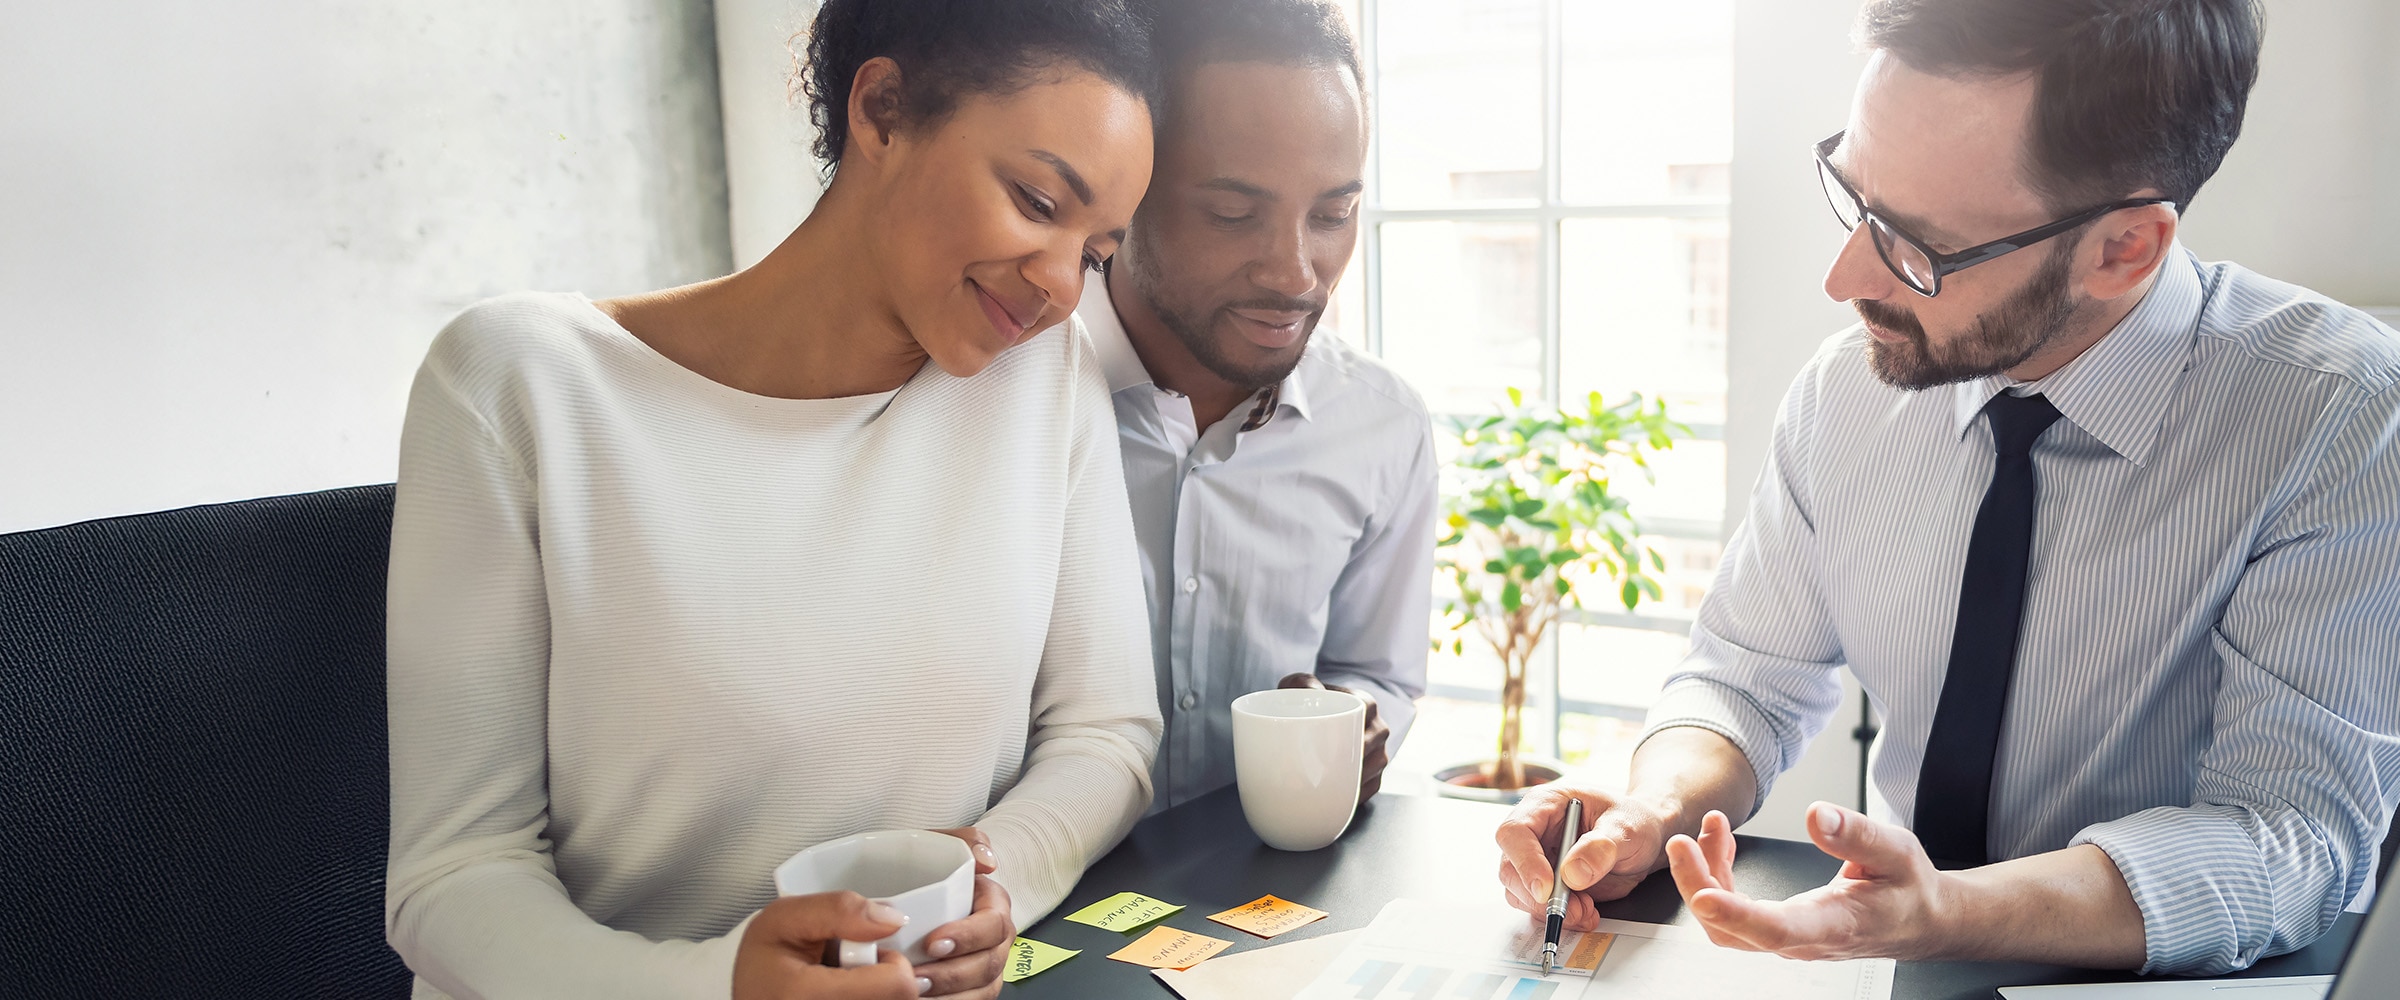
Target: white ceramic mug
column 1296, row 756
column 927, row 876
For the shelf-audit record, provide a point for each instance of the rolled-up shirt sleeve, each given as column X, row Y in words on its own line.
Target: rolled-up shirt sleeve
column 1764, row 666
column 2293, row 794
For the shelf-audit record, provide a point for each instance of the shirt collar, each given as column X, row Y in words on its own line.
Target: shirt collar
column 2118, row 389
column 1124, row 370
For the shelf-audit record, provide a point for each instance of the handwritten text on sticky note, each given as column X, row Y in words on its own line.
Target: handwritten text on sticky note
column 1168, row 948
column 1028, row 957
column 1268, row 916
column 1124, row 911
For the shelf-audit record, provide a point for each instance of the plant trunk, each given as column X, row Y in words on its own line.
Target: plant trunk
column 1508, row 772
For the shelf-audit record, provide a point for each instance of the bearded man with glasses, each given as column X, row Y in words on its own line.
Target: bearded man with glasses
column 2111, row 537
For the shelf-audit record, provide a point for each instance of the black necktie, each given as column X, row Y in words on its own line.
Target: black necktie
column 1954, row 789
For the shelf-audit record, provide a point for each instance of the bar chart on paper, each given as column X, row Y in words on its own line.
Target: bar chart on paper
column 1379, row 980
column 1424, row 951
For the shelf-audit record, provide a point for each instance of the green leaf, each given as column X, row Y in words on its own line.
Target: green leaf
column 1516, row 396
column 1631, row 594
column 1564, row 587
column 1495, row 566
column 1512, row 597
column 1650, row 588
column 1658, row 561
column 1526, row 508
column 1458, row 647
column 1561, row 557
column 1487, row 517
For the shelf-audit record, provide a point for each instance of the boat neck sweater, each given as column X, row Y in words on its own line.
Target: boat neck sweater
column 649, row 635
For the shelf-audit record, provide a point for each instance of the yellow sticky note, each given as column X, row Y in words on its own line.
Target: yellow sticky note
column 1168, row 948
column 1268, row 916
column 1029, row 957
column 1124, row 912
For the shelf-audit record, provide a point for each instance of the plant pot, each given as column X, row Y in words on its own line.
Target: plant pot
column 1466, row 781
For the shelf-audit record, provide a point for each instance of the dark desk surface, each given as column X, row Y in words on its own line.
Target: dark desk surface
column 1204, row 856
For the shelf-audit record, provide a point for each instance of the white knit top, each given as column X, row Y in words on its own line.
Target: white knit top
column 649, row 635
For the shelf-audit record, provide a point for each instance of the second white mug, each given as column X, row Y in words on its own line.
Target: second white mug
column 1296, row 758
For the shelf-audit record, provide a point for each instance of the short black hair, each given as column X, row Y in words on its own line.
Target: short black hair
column 948, row 49
column 1190, row 33
column 2131, row 94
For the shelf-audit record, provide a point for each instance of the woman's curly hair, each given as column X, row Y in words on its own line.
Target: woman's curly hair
column 948, row 49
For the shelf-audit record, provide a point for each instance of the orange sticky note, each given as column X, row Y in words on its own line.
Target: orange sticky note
column 1168, row 948
column 1268, row 916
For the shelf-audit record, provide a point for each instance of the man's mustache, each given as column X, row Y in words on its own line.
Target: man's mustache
column 1891, row 318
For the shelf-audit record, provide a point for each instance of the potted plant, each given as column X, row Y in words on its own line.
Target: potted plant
column 1533, row 523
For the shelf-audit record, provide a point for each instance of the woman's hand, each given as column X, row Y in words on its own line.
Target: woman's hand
column 782, row 953
column 968, row 955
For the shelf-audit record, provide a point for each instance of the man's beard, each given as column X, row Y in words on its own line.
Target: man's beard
column 2003, row 338
column 1193, row 325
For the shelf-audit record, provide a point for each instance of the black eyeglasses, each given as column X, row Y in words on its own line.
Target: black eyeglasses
column 1919, row 266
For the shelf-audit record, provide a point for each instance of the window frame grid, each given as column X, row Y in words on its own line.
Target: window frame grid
column 1547, row 216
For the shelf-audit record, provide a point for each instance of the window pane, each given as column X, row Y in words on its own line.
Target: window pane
column 1689, row 494
column 1642, row 309
column 1616, row 666
column 1458, row 102
column 1460, row 318
column 1673, row 140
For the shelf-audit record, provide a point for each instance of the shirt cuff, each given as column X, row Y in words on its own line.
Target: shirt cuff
column 2202, row 889
column 1704, row 704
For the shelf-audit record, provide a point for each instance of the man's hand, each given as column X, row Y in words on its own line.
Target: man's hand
column 782, row 952
column 1622, row 844
column 1888, row 901
column 1378, row 736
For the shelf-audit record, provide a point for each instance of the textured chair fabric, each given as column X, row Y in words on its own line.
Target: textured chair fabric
column 192, row 768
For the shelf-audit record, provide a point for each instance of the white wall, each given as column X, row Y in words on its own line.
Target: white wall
column 233, row 228
column 2307, row 195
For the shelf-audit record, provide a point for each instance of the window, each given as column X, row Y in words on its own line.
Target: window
column 1546, row 209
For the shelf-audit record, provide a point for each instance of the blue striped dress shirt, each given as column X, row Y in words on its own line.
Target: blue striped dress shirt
column 2208, row 680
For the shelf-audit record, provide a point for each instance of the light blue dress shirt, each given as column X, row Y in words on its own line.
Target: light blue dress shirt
column 2208, row 679
column 1303, row 545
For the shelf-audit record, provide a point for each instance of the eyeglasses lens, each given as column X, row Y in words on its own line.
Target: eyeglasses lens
column 1845, row 208
column 1906, row 259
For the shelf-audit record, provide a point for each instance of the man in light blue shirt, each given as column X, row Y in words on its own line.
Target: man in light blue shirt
column 1282, row 484
column 2111, row 537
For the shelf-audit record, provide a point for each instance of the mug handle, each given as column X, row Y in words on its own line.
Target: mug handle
column 856, row 953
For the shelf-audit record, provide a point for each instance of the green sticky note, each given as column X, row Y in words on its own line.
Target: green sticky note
column 1029, row 957
column 1125, row 911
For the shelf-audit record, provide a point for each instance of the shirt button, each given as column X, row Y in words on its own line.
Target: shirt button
column 1189, row 701
column 1190, row 584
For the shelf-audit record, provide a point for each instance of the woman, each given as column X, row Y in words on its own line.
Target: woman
column 686, row 582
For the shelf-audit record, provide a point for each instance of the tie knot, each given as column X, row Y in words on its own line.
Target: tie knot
column 2017, row 422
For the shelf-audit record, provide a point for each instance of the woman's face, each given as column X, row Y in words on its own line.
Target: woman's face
column 992, row 217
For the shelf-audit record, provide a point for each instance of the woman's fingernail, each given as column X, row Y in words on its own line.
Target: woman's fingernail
column 941, row 948
column 886, row 913
column 985, row 852
column 924, row 986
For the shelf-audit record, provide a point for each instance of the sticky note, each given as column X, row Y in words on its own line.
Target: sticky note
column 1029, row 957
column 1168, row 948
column 1268, row 916
column 1124, row 912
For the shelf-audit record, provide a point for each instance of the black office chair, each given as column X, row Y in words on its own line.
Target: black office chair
column 192, row 774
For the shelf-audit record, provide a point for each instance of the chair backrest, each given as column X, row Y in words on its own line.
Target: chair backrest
column 193, row 783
